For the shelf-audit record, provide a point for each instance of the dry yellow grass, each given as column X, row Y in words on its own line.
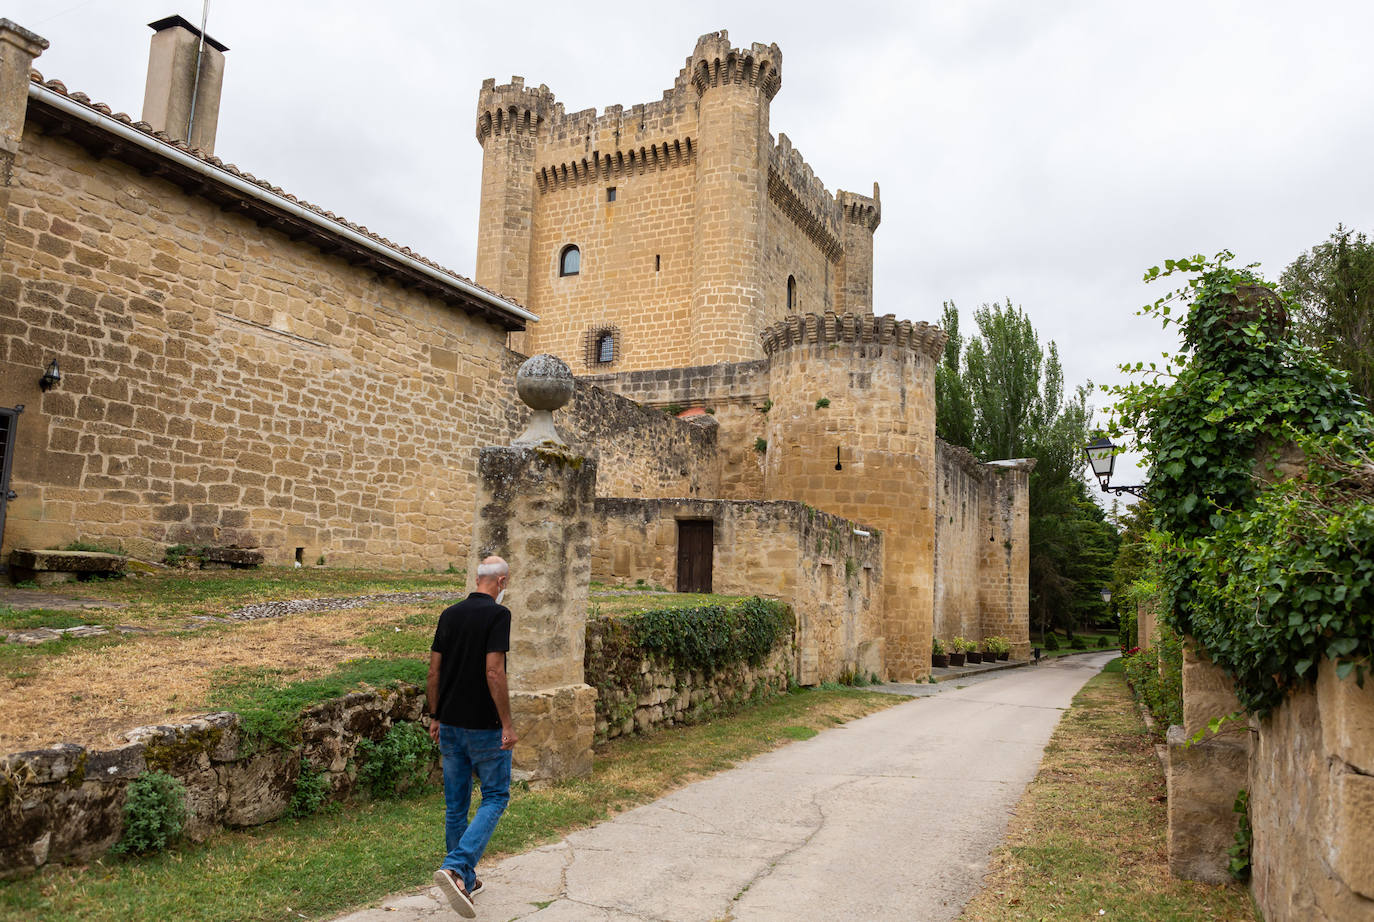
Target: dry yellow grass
column 1088, row 838
column 94, row 693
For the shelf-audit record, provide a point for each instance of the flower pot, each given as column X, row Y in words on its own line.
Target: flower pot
column 956, row 659
column 1005, row 654
column 973, row 657
column 939, row 659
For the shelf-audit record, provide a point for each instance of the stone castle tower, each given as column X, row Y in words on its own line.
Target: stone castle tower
column 670, row 234
column 679, row 256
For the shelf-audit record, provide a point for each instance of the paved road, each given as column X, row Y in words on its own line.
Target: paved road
column 891, row 817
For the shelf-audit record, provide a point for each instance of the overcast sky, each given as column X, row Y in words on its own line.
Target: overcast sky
column 1043, row 152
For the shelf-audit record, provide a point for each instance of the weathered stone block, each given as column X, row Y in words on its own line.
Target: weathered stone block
column 1352, row 832
column 123, row 763
column 45, row 766
column 1203, row 780
column 236, row 557
column 1347, row 717
column 259, row 788
column 557, row 727
column 87, row 820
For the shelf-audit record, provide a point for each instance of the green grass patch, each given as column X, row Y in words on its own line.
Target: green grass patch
column 1090, row 832
column 1116, row 665
column 26, row 618
column 799, row 733
column 328, row 863
column 270, row 708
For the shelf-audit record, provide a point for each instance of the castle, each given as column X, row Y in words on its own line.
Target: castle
column 192, row 355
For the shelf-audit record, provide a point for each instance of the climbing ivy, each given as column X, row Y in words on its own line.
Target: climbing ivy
column 712, row 636
column 1269, row 569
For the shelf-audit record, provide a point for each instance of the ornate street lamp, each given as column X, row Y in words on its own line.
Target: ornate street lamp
column 1102, row 458
column 1107, row 596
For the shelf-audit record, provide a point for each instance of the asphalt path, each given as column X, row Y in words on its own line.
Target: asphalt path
column 890, row 817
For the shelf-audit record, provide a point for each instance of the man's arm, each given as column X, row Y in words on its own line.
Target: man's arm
column 432, row 695
column 500, row 696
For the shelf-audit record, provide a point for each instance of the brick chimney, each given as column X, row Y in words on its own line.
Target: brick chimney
column 172, row 84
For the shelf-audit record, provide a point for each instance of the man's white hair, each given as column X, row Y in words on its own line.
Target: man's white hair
column 492, row 570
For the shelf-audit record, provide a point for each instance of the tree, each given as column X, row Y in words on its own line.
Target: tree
column 1332, row 286
column 1004, row 398
column 953, row 404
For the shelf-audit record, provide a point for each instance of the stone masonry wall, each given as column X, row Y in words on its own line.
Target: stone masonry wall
column 981, row 532
column 1311, row 783
column 736, row 394
column 815, row 562
column 225, row 385
column 659, row 695
column 66, row 803
column 852, row 431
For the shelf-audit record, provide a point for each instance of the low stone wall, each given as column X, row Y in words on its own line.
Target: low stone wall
column 66, row 803
column 640, row 693
column 827, row 568
column 1311, row 788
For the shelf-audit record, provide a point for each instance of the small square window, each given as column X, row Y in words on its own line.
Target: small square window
column 610, row 194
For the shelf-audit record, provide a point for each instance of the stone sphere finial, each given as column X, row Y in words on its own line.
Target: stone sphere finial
column 544, row 383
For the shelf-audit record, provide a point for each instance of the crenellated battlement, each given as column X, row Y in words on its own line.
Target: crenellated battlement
column 513, row 108
column 715, row 63
column 600, row 167
column 808, row 329
column 860, row 209
column 796, row 189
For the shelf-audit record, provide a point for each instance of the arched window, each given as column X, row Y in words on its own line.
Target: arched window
column 605, row 348
column 791, row 293
column 570, row 260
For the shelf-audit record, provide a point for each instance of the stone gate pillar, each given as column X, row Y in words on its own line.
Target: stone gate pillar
column 18, row 48
column 1205, row 776
column 534, row 507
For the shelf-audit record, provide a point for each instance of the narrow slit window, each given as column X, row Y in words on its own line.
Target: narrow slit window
column 791, row 293
column 658, row 262
column 610, row 193
column 570, row 260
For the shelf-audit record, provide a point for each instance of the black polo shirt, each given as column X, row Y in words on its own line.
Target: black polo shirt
column 467, row 632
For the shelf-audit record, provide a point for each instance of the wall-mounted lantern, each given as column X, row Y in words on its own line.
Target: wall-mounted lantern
column 838, row 465
column 1102, row 458
column 51, row 378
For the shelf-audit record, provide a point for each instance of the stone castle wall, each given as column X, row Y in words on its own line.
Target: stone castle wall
column 690, row 262
column 815, row 562
column 867, row 453
column 736, row 396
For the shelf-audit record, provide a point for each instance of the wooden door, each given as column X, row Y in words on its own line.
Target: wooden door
column 695, row 550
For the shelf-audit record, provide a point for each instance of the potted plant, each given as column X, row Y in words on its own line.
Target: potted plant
column 996, row 647
column 971, row 654
column 938, row 657
column 958, row 647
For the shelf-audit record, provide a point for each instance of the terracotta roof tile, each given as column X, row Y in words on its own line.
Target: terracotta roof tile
column 58, row 86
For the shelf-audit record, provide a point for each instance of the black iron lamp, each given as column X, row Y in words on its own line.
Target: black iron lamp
column 1102, row 458
column 51, row 378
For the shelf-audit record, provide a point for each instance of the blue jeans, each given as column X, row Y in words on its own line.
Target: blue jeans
column 465, row 752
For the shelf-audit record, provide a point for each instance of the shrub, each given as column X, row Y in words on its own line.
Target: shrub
column 399, row 764
column 1156, row 675
column 997, row 644
column 936, row 647
column 154, row 814
column 760, row 445
column 1051, row 641
column 1079, row 642
column 961, row 645
column 712, row 636
column 312, row 790
column 1102, row 642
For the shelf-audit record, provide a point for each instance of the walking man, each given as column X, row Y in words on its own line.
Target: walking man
column 470, row 720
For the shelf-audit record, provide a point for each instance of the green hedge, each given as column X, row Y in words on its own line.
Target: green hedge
column 706, row 638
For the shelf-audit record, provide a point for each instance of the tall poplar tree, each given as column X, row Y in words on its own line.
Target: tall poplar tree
column 1004, row 397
